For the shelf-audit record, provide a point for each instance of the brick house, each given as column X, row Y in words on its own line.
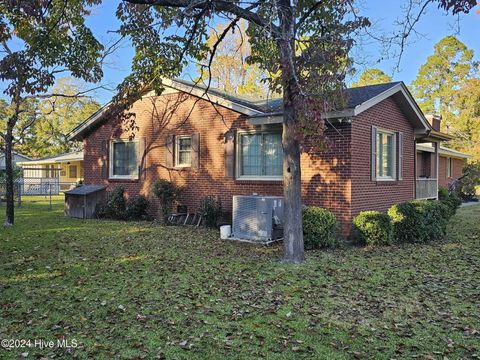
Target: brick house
column 450, row 162
column 212, row 143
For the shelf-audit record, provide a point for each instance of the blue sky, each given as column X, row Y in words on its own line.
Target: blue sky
column 433, row 26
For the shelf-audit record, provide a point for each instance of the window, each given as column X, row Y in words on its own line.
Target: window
column 449, row 167
column 63, row 171
column 260, row 154
column 72, row 171
column 123, row 159
column 183, row 151
column 386, row 155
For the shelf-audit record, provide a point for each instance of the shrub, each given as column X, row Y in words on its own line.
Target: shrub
column 113, row 206
column 435, row 217
column 211, row 210
column 137, row 208
column 167, row 192
column 319, row 228
column 419, row 220
column 442, row 194
column 452, row 201
column 373, row 228
column 468, row 183
column 407, row 222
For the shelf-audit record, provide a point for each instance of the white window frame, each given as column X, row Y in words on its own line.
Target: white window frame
column 448, row 167
column 395, row 154
column 111, row 163
column 238, row 156
column 177, row 151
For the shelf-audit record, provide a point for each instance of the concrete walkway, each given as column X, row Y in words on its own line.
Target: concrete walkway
column 470, row 203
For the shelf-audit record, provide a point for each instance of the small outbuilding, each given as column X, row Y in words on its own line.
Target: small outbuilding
column 81, row 201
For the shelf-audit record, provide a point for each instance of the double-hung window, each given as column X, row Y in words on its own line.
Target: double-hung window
column 260, row 155
column 386, row 154
column 449, row 167
column 183, row 151
column 123, row 159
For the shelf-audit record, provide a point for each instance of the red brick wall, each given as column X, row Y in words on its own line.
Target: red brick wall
column 328, row 178
column 325, row 174
column 457, row 170
column 380, row 195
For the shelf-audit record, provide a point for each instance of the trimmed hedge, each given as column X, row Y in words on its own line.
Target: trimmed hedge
column 435, row 217
column 452, row 201
column 419, row 221
column 442, row 194
column 407, row 223
column 319, row 228
column 373, row 228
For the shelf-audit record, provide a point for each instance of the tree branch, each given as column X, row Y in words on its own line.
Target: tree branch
column 219, row 5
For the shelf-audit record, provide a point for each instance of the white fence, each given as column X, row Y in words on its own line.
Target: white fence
column 39, row 186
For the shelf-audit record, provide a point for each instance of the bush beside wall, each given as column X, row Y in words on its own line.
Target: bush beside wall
column 373, row 228
column 435, row 216
column 406, row 221
column 319, row 228
column 452, row 201
column 419, row 221
column 115, row 207
column 211, row 210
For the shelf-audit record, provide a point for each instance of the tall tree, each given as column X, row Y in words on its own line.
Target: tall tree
column 311, row 80
column 372, row 77
column 439, row 80
column 58, row 115
column 42, row 127
column 38, row 40
column 466, row 127
column 229, row 70
column 22, row 134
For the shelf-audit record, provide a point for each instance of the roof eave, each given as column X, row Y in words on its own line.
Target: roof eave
column 79, row 132
column 407, row 103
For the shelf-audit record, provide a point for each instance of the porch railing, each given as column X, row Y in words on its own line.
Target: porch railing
column 426, row 189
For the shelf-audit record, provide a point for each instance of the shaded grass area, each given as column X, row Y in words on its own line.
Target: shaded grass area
column 140, row 290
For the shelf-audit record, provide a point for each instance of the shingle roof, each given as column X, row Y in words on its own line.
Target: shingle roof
column 354, row 96
column 358, row 95
column 242, row 104
column 85, row 189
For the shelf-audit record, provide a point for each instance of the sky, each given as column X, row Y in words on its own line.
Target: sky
column 433, row 26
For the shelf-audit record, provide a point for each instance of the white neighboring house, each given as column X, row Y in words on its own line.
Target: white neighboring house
column 52, row 174
column 17, row 158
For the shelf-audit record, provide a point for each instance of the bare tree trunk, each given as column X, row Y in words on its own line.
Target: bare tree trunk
column 9, row 186
column 293, row 248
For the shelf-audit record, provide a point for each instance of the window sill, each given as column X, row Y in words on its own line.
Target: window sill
column 388, row 181
column 385, row 179
column 123, row 179
column 259, row 179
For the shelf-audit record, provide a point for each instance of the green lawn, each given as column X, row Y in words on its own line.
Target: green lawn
column 139, row 290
